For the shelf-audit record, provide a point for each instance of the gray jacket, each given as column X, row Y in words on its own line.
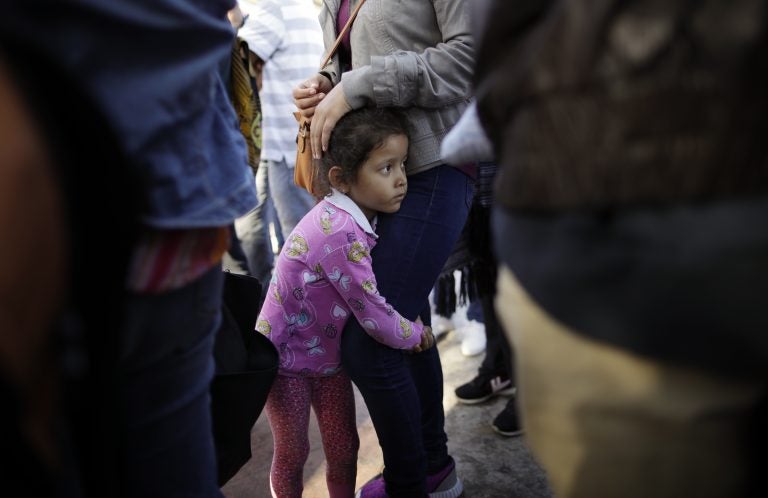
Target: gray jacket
column 416, row 55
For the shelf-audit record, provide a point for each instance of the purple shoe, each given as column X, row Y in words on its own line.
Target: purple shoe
column 443, row 484
column 374, row 488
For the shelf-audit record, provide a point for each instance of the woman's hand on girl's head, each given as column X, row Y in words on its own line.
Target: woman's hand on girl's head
column 327, row 113
column 309, row 93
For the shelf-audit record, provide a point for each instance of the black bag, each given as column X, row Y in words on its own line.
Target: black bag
column 246, row 365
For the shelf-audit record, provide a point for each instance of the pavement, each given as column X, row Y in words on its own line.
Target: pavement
column 491, row 466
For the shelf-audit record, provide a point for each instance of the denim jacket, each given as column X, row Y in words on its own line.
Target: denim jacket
column 417, row 55
column 152, row 68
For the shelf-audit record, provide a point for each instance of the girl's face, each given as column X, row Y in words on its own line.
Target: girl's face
column 381, row 184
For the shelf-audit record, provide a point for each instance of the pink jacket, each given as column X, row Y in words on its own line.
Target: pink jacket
column 323, row 276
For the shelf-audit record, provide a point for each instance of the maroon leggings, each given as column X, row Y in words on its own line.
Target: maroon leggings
column 288, row 412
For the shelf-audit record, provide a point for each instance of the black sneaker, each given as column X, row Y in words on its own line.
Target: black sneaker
column 484, row 387
column 507, row 423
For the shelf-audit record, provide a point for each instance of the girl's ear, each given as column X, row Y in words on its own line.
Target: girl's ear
column 336, row 179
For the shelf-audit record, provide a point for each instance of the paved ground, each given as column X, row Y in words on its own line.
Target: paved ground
column 489, row 465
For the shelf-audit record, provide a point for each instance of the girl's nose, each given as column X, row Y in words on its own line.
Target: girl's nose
column 402, row 180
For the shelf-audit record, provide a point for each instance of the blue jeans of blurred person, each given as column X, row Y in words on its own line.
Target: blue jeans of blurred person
column 403, row 391
column 475, row 311
column 253, row 230
column 165, row 368
column 291, row 202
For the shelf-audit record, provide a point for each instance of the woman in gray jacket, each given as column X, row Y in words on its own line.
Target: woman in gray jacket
column 417, row 56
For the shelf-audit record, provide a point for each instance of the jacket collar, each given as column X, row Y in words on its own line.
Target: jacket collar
column 342, row 201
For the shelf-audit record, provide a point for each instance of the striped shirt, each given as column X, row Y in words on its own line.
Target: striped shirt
column 286, row 35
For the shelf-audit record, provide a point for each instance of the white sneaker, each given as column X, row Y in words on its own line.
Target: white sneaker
column 441, row 325
column 472, row 338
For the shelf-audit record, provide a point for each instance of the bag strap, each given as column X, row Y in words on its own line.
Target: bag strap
column 342, row 33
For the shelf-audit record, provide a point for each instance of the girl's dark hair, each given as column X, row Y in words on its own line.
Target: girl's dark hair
column 354, row 137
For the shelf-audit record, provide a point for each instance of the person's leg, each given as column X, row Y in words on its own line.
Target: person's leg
column 498, row 356
column 291, row 202
column 253, row 231
column 403, row 392
column 334, row 403
column 494, row 377
column 234, row 259
column 164, row 372
column 288, row 414
column 604, row 422
column 506, row 422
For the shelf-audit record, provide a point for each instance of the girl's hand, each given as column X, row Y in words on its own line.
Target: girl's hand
column 309, row 93
column 427, row 340
column 327, row 113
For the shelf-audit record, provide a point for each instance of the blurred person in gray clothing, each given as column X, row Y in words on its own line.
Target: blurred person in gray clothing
column 630, row 227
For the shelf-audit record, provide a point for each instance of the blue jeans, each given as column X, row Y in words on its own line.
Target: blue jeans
column 291, row 202
column 253, row 230
column 475, row 311
column 164, row 371
column 403, row 391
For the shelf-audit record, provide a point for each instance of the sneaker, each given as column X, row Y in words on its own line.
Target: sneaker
column 443, row 484
column 484, row 387
column 374, row 488
column 507, row 423
column 441, row 325
column 472, row 338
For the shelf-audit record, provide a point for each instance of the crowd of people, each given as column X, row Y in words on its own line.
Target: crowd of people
column 610, row 186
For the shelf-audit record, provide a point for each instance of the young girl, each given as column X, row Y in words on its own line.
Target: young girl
column 322, row 278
